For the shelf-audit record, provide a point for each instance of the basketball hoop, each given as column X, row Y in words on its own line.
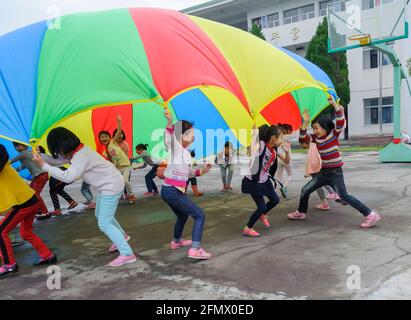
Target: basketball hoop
column 362, row 38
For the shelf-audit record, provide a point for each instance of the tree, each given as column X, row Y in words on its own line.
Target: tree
column 257, row 31
column 335, row 64
column 409, row 66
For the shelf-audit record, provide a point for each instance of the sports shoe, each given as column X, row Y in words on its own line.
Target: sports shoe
column 90, row 206
column 323, row 206
column 149, row 193
column 250, row 232
column 122, row 260
column 72, row 205
column 264, row 220
column 371, row 219
column 8, row 268
column 177, row 245
column 284, row 191
column 56, row 213
column 131, row 198
column 332, row 196
column 199, row 254
column 43, row 216
column 43, row 261
column 113, row 247
column 296, row 215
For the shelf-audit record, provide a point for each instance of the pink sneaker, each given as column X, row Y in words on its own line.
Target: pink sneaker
column 199, row 254
column 332, row 196
column 8, row 268
column 113, row 247
column 149, row 193
column 296, row 215
column 250, row 232
column 264, row 219
column 323, row 206
column 183, row 243
column 371, row 219
column 122, row 260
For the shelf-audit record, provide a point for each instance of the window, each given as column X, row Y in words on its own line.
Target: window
column 256, row 21
column 269, row 21
column 370, row 59
column 273, row 20
column 299, row 14
column 371, row 110
column 337, row 6
column 370, row 4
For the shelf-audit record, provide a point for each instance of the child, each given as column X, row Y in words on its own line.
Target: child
column 141, row 150
column 265, row 142
column 56, row 188
column 117, row 156
column 120, row 139
column 193, row 180
column 225, row 160
column 40, row 177
column 286, row 130
column 177, row 139
column 314, row 156
column 326, row 136
column 101, row 174
column 23, row 204
column 122, row 143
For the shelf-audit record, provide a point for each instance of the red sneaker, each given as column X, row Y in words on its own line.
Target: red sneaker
column 264, row 220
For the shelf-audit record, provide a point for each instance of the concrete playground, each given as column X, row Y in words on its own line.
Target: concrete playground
column 326, row 256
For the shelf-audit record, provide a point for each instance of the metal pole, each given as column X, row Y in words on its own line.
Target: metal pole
column 380, row 58
column 397, row 101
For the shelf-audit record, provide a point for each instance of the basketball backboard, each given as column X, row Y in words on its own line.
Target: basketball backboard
column 354, row 23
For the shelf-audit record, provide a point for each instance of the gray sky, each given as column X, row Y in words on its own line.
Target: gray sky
column 15, row 14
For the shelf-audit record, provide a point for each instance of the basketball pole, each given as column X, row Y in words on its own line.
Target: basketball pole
column 396, row 151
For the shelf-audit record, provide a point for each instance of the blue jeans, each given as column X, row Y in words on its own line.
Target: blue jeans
column 151, row 186
column 106, row 207
column 183, row 207
column 227, row 173
column 86, row 192
column 333, row 177
column 262, row 207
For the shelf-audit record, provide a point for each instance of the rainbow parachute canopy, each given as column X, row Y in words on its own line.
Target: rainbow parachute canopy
column 141, row 59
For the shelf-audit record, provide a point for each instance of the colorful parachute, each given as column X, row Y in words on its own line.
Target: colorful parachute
column 136, row 61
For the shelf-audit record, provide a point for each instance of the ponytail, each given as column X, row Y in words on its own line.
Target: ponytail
column 142, row 147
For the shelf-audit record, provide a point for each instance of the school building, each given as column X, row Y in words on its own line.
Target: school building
column 292, row 23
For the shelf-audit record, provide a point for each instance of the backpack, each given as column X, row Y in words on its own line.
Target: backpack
column 314, row 161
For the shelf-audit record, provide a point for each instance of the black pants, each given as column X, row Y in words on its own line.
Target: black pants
column 150, row 184
column 333, row 177
column 262, row 206
column 57, row 188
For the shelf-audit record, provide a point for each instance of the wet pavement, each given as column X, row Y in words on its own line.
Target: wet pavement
column 326, row 256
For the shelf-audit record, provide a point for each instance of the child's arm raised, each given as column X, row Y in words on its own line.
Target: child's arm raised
column 339, row 114
column 169, row 128
column 304, row 137
column 119, row 123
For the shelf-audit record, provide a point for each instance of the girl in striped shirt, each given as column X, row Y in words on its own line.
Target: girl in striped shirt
column 326, row 136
